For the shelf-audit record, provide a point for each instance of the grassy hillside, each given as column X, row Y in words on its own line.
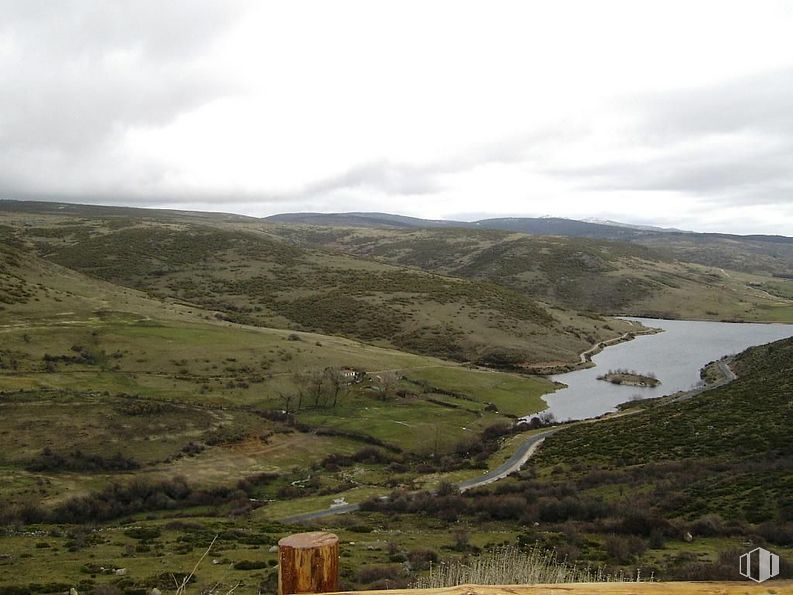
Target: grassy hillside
column 101, row 383
column 246, row 274
column 15, row 288
column 765, row 255
column 586, row 274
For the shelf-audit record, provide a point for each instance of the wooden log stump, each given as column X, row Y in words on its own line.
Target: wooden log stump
column 308, row 563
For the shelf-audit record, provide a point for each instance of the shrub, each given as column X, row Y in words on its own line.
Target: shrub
column 250, row 564
column 496, row 431
column 644, row 523
column 461, row 540
column 370, row 574
column 503, row 507
column 143, row 533
column 624, row 550
column 420, row 559
column 79, row 461
column 777, row 533
column 709, row 525
column 141, row 495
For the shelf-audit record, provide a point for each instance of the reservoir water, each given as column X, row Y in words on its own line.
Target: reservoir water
column 675, row 356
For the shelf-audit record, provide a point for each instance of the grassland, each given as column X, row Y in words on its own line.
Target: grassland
column 510, row 393
column 689, row 276
column 57, row 397
column 243, row 272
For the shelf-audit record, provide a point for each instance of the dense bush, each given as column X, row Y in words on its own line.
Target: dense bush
column 143, row 533
column 144, row 407
column 140, row 495
column 368, row 455
column 78, row 461
column 624, row 549
column 420, row 559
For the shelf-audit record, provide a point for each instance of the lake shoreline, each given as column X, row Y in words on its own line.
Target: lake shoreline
column 675, row 350
column 585, row 357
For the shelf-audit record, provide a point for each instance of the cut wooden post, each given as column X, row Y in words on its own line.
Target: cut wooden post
column 308, row 563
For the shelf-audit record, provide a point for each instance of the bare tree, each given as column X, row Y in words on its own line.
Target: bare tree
column 287, row 401
column 315, row 386
column 301, row 382
column 335, row 384
column 388, row 381
column 316, row 380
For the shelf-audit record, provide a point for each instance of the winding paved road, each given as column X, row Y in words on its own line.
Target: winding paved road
column 512, row 464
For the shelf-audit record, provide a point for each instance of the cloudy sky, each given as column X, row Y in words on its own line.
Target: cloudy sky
column 668, row 113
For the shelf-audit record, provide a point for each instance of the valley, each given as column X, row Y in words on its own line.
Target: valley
column 168, row 376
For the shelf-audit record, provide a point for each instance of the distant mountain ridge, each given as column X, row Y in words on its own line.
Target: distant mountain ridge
column 590, row 228
column 632, row 225
column 771, row 254
column 767, row 254
column 612, row 230
column 355, row 219
column 533, row 225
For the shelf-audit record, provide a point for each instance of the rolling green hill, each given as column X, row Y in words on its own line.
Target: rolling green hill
column 248, row 274
column 749, row 253
column 603, row 276
column 118, row 383
column 657, row 273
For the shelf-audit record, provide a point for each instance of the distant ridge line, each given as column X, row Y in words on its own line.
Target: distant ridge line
column 530, row 225
column 551, row 226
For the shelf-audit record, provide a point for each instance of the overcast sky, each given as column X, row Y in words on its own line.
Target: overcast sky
column 668, row 113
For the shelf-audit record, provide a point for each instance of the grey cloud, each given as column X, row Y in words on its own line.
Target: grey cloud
column 391, row 178
column 750, row 119
column 754, row 103
column 75, row 28
column 419, row 179
column 752, row 176
column 731, row 142
column 77, row 75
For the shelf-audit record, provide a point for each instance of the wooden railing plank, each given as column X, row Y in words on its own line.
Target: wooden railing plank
column 773, row 587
